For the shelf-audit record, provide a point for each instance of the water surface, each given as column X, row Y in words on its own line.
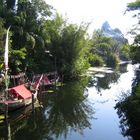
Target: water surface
column 80, row 110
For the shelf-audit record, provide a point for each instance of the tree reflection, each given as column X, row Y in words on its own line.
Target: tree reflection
column 122, row 68
column 63, row 112
column 68, row 110
column 104, row 82
column 16, row 120
column 128, row 110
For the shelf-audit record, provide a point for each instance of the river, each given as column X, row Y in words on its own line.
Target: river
column 80, row 110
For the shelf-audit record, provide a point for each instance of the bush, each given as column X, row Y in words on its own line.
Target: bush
column 96, row 60
column 112, row 60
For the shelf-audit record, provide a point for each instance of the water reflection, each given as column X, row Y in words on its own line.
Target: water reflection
column 61, row 113
column 16, row 121
column 128, row 109
column 68, row 110
column 69, row 114
column 102, row 83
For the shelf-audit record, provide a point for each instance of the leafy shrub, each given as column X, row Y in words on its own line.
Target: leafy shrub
column 96, row 60
column 112, row 60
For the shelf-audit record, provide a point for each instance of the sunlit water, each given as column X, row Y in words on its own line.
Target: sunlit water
column 105, row 124
column 68, row 115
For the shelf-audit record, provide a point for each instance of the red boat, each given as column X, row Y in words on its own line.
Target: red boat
column 48, row 79
column 18, row 96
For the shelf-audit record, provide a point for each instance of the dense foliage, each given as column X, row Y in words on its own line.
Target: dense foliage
column 128, row 109
column 26, row 32
column 35, row 32
column 107, row 50
column 41, row 41
column 135, row 48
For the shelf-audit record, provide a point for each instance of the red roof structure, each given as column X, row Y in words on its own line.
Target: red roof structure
column 20, row 91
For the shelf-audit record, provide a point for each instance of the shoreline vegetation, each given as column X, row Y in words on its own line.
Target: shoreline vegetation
column 41, row 41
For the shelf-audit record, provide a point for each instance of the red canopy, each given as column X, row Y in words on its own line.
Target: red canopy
column 20, row 91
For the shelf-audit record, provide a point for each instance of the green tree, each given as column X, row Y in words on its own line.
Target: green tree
column 76, row 49
column 68, row 44
column 34, row 32
column 106, row 49
column 135, row 48
column 28, row 44
column 125, row 52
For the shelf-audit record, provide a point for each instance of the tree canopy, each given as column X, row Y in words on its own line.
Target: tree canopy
column 135, row 48
column 41, row 40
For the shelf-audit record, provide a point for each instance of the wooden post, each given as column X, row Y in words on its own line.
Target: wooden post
column 33, row 102
column 6, row 111
column 55, row 81
column 8, row 131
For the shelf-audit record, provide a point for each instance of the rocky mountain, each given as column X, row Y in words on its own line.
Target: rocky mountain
column 114, row 33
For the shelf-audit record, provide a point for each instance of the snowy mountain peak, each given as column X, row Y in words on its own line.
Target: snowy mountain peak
column 114, row 33
column 106, row 26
